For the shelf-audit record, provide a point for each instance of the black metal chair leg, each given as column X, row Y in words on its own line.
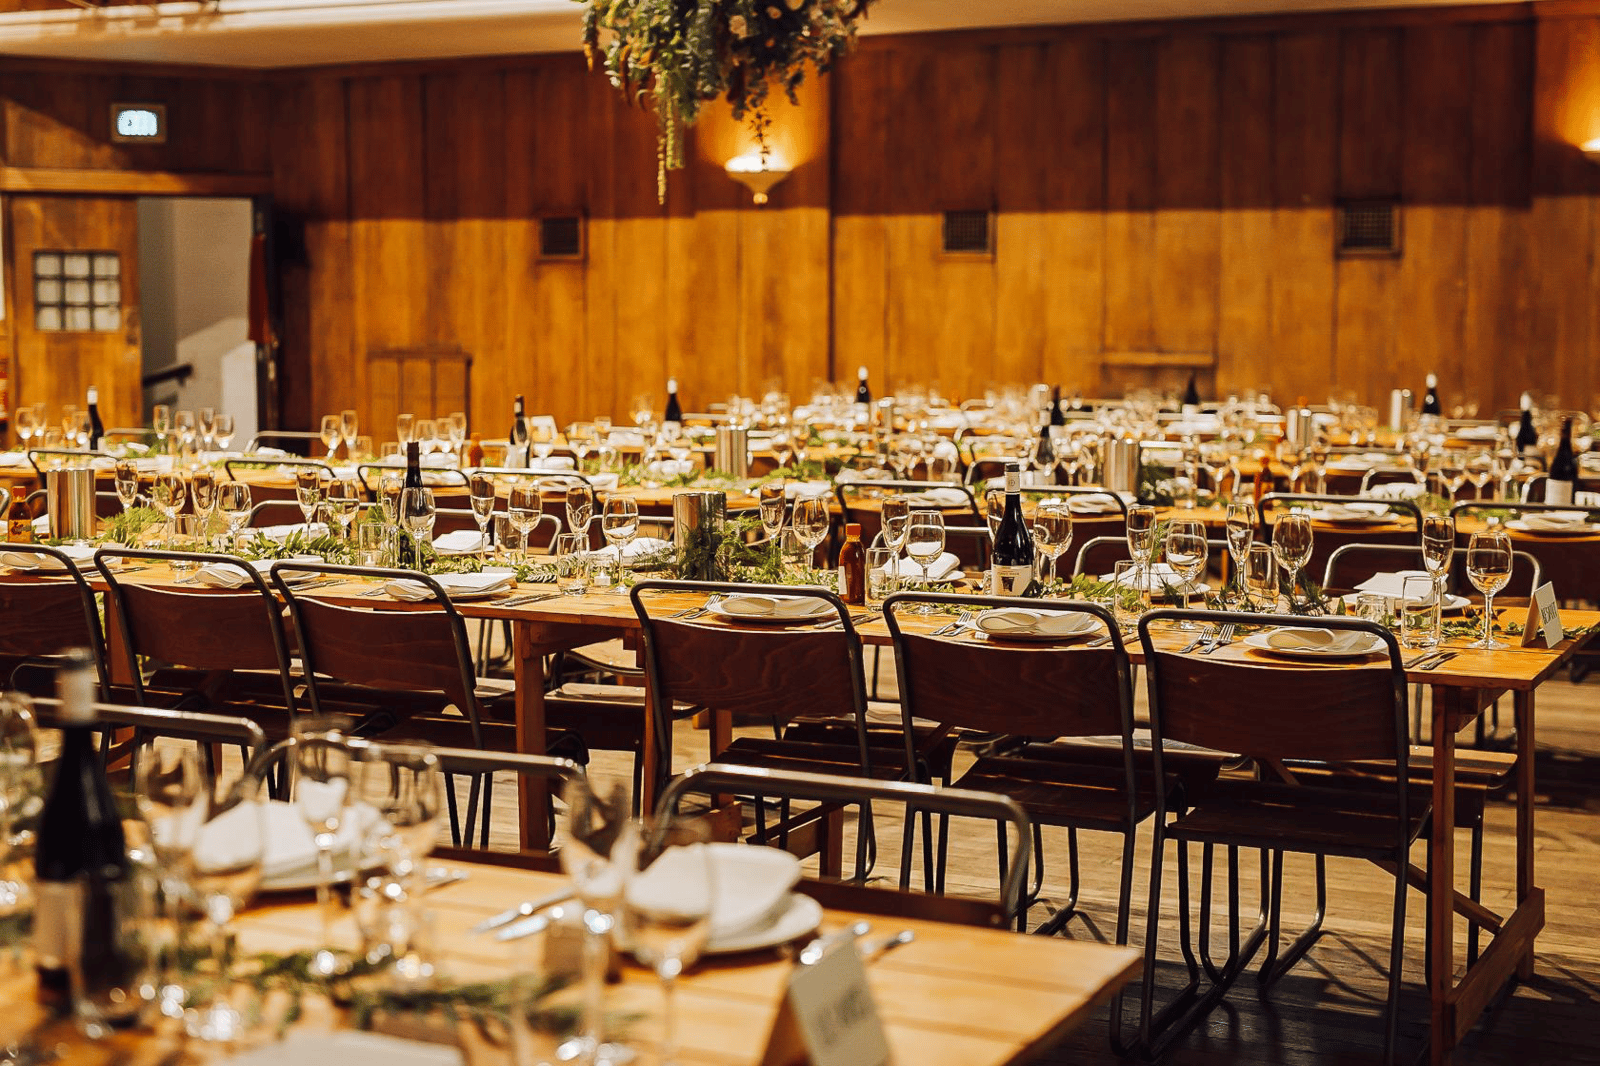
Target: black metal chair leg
column 1124, row 906
column 1058, row 921
column 907, row 847
column 1004, row 847
column 450, row 802
column 927, row 851
column 944, row 853
column 488, row 796
column 1273, row 968
column 1397, row 931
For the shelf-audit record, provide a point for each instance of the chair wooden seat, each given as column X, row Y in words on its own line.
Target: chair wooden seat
column 936, row 750
column 838, row 759
column 1061, row 792
column 1330, row 821
column 1193, row 766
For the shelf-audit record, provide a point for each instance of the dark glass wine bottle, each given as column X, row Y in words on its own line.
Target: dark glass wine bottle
column 1430, row 398
column 673, row 412
column 1191, row 394
column 85, row 880
column 863, row 392
column 1563, row 470
column 1012, row 570
column 1057, row 418
column 1527, row 436
column 517, row 446
column 406, row 555
column 97, row 428
column 852, row 567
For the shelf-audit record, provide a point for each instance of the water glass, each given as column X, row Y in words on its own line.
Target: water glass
column 882, row 578
column 374, row 544
column 1421, row 613
column 1372, row 607
column 1261, row 576
column 507, row 538
column 186, row 538
column 1128, row 599
column 573, row 563
column 667, row 908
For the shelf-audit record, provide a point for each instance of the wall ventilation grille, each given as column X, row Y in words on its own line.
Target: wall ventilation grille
column 561, row 237
column 1369, row 228
column 968, row 233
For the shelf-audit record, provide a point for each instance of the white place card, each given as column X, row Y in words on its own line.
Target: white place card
column 1544, row 619
column 828, row 1016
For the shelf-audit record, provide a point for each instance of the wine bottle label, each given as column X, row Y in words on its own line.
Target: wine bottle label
column 1010, row 580
column 1558, row 492
column 1013, row 481
column 843, row 588
column 58, row 909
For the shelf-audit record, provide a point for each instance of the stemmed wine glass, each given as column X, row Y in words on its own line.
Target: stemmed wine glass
column 418, row 512
column 456, row 423
column 1241, row 526
column 308, row 494
column 222, row 433
column 524, row 508
column 669, row 900
column 598, row 854
column 1452, row 471
column 208, row 428
column 322, row 763
column 895, row 515
column 1187, row 550
column 620, row 524
column 925, row 540
column 404, row 785
column 579, row 438
column 543, row 439
column 183, row 424
column 774, row 499
column 1052, row 531
column 168, row 493
column 1291, row 546
column 403, row 425
column 224, row 872
column 203, row 490
column 1141, row 533
column 171, row 796
column 24, row 420
column 349, row 430
column 481, row 490
column 810, row 523
column 1438, row 546
column 426, row 433
column 161, row 423
column 127, row 482
column 1489, row 562
column 343, row 500
column 580, row 508
column 233, row 499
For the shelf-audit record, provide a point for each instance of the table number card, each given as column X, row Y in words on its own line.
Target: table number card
column 1543, row 626
column 828, row 1016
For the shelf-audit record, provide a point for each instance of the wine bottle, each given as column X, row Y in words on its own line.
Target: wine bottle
column 1056, row 417
column 1563, row 470
column 85, row 881
column 1191, row 396
column 1012, row 570
column 673, row 413
column 406, row 556
column 863, row 393
column 1527, row 436
column 1430, row 399
column 1044, row 454
column 517, row 440
column 852, row 567
column 97, row 428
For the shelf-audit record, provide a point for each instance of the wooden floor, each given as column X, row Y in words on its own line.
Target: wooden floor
column 1329, row 1008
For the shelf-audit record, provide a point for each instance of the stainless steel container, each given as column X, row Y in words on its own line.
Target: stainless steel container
column 732, row 455
column 69, row 495
column 1298, row 428
column 697, row 521
column 1121, row 465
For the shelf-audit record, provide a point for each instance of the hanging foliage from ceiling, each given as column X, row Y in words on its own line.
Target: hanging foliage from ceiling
column 682, row 54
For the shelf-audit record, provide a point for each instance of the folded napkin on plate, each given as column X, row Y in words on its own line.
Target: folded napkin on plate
column 1393, row 586
column 41, row 526
column 638, row 548
column 796, row 489
column 347, row 1048
column 554, row 464
column 1554, row 519
column 1318, row 640
column 290, row 848
column 458, row 542
column 941, row 567
column 1353, row 510
column 82, row 555
column 747, row 884
column 284, row 532
column 453, row 585
column 1397, row 490
column 1478, row 433
column 230, row 576
column 1005, row 620
column 670, row 468
column 273, row 453
column 1092, row 505
column 939, row 497
column 1159, row 576
column 10, row 459
column 754, row 606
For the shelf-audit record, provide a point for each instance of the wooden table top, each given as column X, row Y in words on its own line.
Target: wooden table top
column 955, row 996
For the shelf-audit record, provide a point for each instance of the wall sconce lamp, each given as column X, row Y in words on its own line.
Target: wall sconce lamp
column 1591, row 151
column 756, row 174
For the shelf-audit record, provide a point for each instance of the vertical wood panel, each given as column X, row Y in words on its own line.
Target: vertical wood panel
column 1188, row 237
column 1244, row 321
column 1130, row 195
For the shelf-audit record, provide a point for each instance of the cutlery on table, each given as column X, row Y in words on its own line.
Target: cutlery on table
column 1205, row 636
column 1413, row 662
column 695, row 612
column 1099, row 642
column 439, row 877
column 955, row 627
column 1439, row 660
column 876, row 949
column 533, row 924
column 524, row 910
column 1222, row 638
column 814, row 951
column 521, row 601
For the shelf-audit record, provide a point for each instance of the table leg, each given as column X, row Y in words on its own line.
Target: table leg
column 1523, row 702
column 1441, row 899
column 533, row 795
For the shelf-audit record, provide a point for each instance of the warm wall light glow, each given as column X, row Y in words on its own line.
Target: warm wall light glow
column 1591, row 149
column 756, row 174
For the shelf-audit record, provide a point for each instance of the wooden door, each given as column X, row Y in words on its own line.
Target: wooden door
column 76, row 324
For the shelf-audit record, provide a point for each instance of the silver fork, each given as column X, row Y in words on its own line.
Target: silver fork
column 710, row 605
column 1224, row 637
column 1205, row 636
column 961, row 622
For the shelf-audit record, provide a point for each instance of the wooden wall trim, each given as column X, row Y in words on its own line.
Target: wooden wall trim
column 131, row 182
column 99, row 67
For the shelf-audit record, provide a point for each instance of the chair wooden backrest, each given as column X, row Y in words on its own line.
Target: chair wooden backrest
column 199, row 628
column 49, row 613
column 422, row 647
column 1572, row 562
column 1036, row 690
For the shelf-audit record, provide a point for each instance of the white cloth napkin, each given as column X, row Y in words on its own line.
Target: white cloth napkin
column 1397, row 490
column 347, row 1048
column 284, row 532
column 740, row 886
column 754, row 606
column 941, row 567
column 230, row 576
column 1554, row 519
column 938, row 497
column 81, row 555
column 41, row 526
column 13, row 459
column 453, row 585
column 458, row 542
column 269, row 453
column 1393, row 586
column 796, row 489
column 1159, row 576
column 670, row 468
column 554, row 464
column 1353, row 510
column 1318, row 640
column 1091, row 505
column 1478, row 432
column 1010, row 620
column 638, row 548
column 290, row 847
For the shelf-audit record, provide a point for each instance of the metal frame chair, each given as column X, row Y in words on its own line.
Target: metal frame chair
column 26, row 623
column 149, row 723
column 74, row 453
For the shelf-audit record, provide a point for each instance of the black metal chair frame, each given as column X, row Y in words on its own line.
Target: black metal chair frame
column 86, row 595
column 150, row 723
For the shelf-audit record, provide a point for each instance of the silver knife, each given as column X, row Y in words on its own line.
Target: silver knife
column 537, row 923
column 523, row 910
column 1445, row 657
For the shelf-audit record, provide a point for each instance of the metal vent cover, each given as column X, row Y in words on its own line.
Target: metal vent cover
column 968, row 233
column 1369, row 227
column 561, row 237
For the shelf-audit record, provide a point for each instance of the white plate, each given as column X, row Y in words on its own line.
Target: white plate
column 1452, row 602
column 1350, row 518
column 348, row 1049
column 1259, row 642
column 1576, row 529
column 800, row 918
column 811, row 612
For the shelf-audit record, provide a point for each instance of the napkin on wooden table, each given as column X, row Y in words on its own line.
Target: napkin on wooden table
column 1318, row 640
column 1004, row 620
column 453, row 585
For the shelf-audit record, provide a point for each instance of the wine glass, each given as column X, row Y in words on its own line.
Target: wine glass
column 597, row 855
column 579, row 439
column 481, row 491
column 389, row 488
column 425, row 432
column 774, row 499
column 1052, row 531
column 403, row 784
column 456, row 428
column 418, row 512
column 349, row 430
column 543, row 438
column 1241, row 527
column 403, row 425
column 781, row 449
column 1187, row 550
column 580, row 508
column 171, row 796
column 669, row 900
column 1452, row 471
column 161, row 422
column 810, row 523
column 322, row 763
column 620, row 524
column 308, row 494
column 641, row 408
column 925, row 540
column 168, row 493
column 994, row 510
column 1261, row 576
column 1141, row 532
column 1489, row 562
column 895, row 516
column 208, row 428
column 127, row 482
column 524, row 507
column 222, row 432
column 1291, row 546
column 224, row 872
column 183, row 426
column 25, row 423
column 233, row 499
column 343, row 500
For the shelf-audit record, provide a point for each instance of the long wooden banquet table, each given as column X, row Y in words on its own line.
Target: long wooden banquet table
column 956, row 995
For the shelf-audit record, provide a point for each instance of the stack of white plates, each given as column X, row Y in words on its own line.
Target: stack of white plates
column 753, row 905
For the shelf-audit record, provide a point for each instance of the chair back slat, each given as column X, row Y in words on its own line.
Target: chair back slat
column 380, row 649
column 42, row 618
